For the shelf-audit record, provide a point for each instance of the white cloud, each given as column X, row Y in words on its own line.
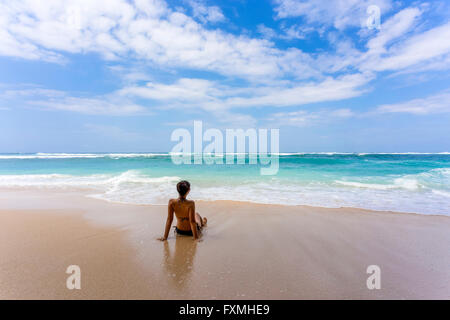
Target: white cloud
column 235, row 119
column 111, row 104
column 330, row 89
column 434, row 104
column 399, row 46
column 287, row 33
column 130, row 74
column 266, row 32
column 142, row 30
column 347, row 56
column 114, row 132
column 440, row 63
column 92, row 106
column 393, row 28
column 206, row 13
column 32, row 91
column 149, row 31
column 10, row 46
column 183, row 90
column 212, row 96
column 438, row 103
column 338, row 13
column 193, row 95
column 296, row 32
column 196, row 94
column 416, row 49
column 302, row 118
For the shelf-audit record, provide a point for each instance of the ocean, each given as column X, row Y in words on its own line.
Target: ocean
column 409, row 182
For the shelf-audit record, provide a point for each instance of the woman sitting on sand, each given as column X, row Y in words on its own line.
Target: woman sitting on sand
column 189, row 222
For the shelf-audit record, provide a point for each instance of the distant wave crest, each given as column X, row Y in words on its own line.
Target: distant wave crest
column 80, row 155
column 41, row 155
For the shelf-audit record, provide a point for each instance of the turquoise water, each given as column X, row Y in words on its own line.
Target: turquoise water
column 399, row 182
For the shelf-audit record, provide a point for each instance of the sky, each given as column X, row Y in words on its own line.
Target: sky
column 120, row 76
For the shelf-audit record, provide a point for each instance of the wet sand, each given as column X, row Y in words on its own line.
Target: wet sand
column 248, row 251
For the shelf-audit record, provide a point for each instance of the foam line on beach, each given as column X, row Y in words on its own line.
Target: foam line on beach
column 410, row 193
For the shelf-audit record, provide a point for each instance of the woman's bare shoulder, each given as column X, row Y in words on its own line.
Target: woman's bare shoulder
column 188, row 202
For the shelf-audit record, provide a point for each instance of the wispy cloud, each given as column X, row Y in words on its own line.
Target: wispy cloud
column 438, row 103
column 425, row 46
column 293, row 32
column 113, row 105
column 330, row 89
column 114, row 132
column 400, row 46
column 266, row 32
column 93, row 106
column 205, row 13
column 337, row 13
column 210, row 95
column 303, row 118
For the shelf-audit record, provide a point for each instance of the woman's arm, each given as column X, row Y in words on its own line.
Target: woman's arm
column 168, row 221
column 192, row 221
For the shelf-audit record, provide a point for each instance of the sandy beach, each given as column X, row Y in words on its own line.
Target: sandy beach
column 248, row 251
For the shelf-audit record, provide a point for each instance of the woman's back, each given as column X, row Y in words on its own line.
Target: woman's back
column 182, row 207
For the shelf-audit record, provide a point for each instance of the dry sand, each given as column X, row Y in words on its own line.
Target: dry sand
column 248, row 251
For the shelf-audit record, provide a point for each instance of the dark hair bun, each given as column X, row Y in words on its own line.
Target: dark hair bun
column 183, row 187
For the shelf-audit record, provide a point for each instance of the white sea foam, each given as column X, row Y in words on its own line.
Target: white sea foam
column 442, row 193
column 80, row 155
column 420, row 193
column 400, row 183
column 366, row 185
column 94, row 181
column 53, row 180
column 403, row 153
column 41, row 155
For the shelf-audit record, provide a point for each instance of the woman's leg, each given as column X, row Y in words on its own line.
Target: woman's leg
column 199, row 220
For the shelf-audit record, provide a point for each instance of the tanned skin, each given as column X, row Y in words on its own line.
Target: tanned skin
column 187, row 218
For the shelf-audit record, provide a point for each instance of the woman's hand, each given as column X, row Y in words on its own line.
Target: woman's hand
column 162, row 239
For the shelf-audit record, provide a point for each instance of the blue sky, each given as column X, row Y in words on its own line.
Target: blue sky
column 117, row 75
